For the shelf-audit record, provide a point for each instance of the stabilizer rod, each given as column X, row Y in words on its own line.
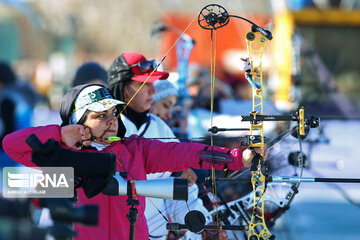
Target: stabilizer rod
column 281, row 179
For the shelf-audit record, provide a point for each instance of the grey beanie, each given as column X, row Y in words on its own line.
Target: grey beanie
column 164, row 89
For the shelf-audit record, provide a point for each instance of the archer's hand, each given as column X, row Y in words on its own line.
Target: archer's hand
column 190, row 175
column 72, row 134
column 248, row 155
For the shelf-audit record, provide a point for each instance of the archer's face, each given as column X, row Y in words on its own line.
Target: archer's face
column 143, row 99
column 164, row 107
column 102, row 124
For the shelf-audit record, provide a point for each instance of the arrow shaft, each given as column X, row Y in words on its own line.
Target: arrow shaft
column 285, row 179
column 225, row 227
column 307, row 179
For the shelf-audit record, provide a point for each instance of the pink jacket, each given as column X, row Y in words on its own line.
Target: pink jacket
column 138, row 158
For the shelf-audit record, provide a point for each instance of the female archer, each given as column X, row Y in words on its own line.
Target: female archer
column 89, row 115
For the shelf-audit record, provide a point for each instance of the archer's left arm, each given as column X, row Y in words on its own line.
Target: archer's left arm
column 159, row 156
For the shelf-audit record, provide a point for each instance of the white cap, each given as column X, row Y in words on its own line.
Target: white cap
column 93, row 98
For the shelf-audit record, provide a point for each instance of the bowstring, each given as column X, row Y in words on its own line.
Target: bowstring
column 152, row 72
column 157, row 66
column 213, row 43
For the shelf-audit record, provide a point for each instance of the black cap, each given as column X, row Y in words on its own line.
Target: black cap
column 88, row 72
column 119, row 71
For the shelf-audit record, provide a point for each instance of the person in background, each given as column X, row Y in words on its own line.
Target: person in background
column 90, row 72
column 164, row 100
column 163, row 105
column 172, row 105
column 89, row 117
column 17, row 100
column 126, row 74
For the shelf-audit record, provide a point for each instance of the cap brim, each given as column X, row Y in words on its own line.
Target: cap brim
column 154, row 77
column 103, row 105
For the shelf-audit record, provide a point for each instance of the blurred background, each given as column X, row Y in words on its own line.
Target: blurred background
column 313, row 53
column 312, row 61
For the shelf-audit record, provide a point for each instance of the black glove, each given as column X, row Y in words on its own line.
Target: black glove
column 89, row 164
column 94, row 185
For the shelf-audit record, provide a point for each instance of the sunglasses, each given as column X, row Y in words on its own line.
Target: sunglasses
column 146, row 66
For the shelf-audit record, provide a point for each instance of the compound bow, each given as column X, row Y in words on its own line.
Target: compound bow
column 213, row 17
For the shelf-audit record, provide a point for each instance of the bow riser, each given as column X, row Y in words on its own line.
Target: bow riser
column 256, row 42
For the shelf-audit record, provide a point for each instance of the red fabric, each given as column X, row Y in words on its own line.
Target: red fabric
column 138, row 158
column 35, row 203
column 133, row 58
column 133, row 189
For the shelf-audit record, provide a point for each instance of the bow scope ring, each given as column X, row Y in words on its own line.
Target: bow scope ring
column 213, row 16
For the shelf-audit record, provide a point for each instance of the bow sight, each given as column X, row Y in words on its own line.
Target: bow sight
column 255, row 118
column 303, row 127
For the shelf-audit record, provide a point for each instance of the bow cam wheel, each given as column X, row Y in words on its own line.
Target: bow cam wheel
column 213, row 16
